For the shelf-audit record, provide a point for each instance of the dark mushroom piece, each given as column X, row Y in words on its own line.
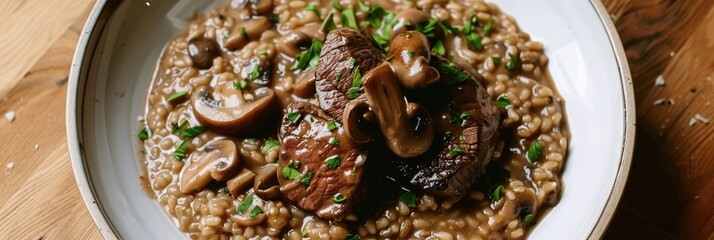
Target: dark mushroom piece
column 266, row 184
column 256, row 7
column 240, row 182
column 293, row 43
column 228, row 110
column 202, row 52
column 355, row 120
column 305, row 85
column 411, row 61
column 215, row 161
column 407, row 18
column 404, row 136
column 246, row 31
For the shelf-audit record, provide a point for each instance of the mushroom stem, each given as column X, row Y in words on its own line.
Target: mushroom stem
column 404, row 136
column 354, row 120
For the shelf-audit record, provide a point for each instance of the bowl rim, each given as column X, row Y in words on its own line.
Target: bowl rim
column 103, row 10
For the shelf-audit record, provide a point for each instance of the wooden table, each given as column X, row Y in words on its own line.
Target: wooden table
column 670, row 193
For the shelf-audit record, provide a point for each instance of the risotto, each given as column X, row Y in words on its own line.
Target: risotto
column 354, row 119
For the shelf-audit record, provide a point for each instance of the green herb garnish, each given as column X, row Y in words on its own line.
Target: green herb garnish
column 457, row 117
column 305, row 181
column 313, row 8
column 353, row 93
column 176, row 128
column 144, row 134
column 375, row 15
column 474, row 40
column 331, row 125
column 408, row 198
column 294, row 117
column 456, row 151
column 328, row 24
column 333, row 141
column 427, row 27
column 390, row 57
column 192, row 132
column 503, row 101
column 309, row 58
column 496, row 60
column 449, row 71
column 382, row 37
column 180, row 152
column 447, row 25
column 240, row 85
column 528, row 220
column 349, row 19
column 496, row 195
column 438, row 48
column 176, row 95
column 333, row 162
column 244, row 33
column 352, row 237
column 512, row 60
column 255, row 212
column 245, row 204
column 410, row 54
column 363, row 7
column 269, row 145
column 338, row 198
column 255, row 73
column 337, row 6
column 262, row 52
column 290, row 173
column 534, row 151
column 489, row 25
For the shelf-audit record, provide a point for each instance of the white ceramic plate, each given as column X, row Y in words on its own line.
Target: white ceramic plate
column 121, row 42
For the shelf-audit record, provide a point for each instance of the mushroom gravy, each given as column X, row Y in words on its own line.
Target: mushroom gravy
column 436, row 119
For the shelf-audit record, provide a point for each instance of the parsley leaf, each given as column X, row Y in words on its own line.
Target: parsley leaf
column 294, row 117
column 496, row 195
column 456, row 151
column 309, row 58
column 409, row 198
column 352, row 237
column 427, row 27
column 240, row 85
column 534, row 151
column 331, row 125
column 313, row 8
column 529, row 219
column 451, row 29
column 503, row 101
column 449, row 72
column 192, row 132
column 489, row 25
column 269, row 144
column 349, row 19
column 144, row 134
column 362, row 7
column 334, row 142
column 245, row 204
column 337, row 6
column 176, row 95
column 176, row 128
column 180, row 152
column 512, row 60
column 290, row 173
column 328, row 24
column 496, row 60
column 255, row 73
column 438, row 48
column 305, row 182
column 338, row 198
column 474, row 40
column 255, row 212
column 333, row 162
column 353, row 93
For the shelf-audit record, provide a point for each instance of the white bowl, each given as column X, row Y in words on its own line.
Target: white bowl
column 121, row 43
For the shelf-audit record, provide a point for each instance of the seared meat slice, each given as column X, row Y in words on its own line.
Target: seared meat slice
column 320, row 168
column 466, row 124
column 345, row 52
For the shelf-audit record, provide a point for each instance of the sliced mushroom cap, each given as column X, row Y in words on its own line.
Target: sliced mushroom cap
column 230, row 110
column 293, row 43
column 244, row 219
column 411, row 61
column 202, row 52
column 305, row 85
column 406, row 18
column 266, row 184
column 246, row 31
column 240, row 182
column 355, row 122
column 525, row 201
column 404, row 136
column 215, row 161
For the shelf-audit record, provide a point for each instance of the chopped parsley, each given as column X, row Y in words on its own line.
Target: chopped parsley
column 333, row 162
column 449, row 71
column 337, row 6
column 192, row 132
column 390, row 57
column 349, row 19
column 243, row 33
column 529, row 219
column 457, row 117
column 245, row 204
column 305, row 181
column 144, row 134
column 456, row 151
column 474, row 40
column 294, row 117
column 512, row 60
column 289, row 172
column 180, row 152
column 410, row 53
column 496, row 60
column 489, row 25
column 331, row 125
column 408, row 198
column 427, row 27
column 313, row 8
column 356, row 89
column 375, row 15
column 494, row 176
column 255, row 73
column 240, row 85
column 353, row 93
column 269, row 145
column 352, row 237
column 255, row 212
column 334, row 142
column 338, row 198
column 451, row 29
column 534, row 151
column 363, row 7
column 328, row 24
column 438, row 48
column 503, row 101
column 309, row 58
column 176, row 95
column 262, row 52
column 382, row 37
column 176, row 128
column 496, row 195
column 303, row 233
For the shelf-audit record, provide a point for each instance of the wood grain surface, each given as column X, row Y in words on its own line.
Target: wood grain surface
column 670, row 191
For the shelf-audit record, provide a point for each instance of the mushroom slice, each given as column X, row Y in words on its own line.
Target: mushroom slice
column 256, row 7
column 246, row 31
column 404, row 136
column 408, row 18
column 266, row 184
column 355, row 121
column 252, row 215
column 240, row 182
column 411, row 61
column 227, row 110
column 216, row 160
